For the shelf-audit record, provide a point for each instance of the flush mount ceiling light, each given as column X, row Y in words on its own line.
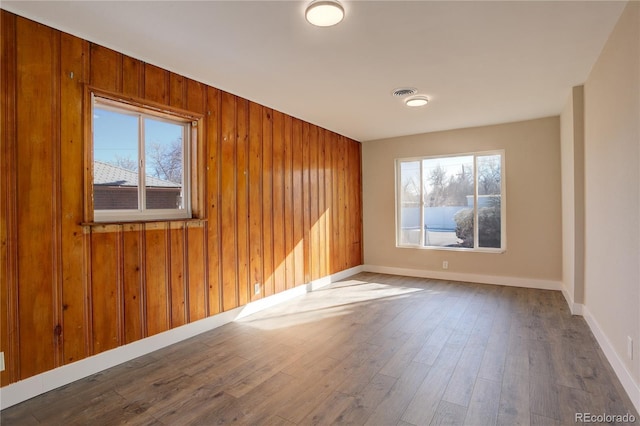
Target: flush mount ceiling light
column 416, row 101
column 324, row 13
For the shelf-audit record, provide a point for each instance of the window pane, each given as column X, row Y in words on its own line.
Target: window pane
column 489, row 200
column 115, row 165
column 448, row 209
column 410, row 202
column 163, row 164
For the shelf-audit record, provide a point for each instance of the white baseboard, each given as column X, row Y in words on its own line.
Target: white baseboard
column 464, row 277
column 624, row 375
column 49, row 380
column 575, row 308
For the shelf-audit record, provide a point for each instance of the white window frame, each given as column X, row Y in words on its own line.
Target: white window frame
column 142, row 213
column 503, row 203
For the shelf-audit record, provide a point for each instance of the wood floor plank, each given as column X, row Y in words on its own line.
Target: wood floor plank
column 543, row 397
column 303, row 396
column 105, row 408
column 538, row 420
column 448, row 414
column 572, row 401
column 254, row 407
column 425, row 403
column 372, row 349
column 514, row 400
column 213, row 366
column 493, row 363
column 463, row 378
column 277, row 421
column 330, row 410
column 484, row 404
column 151, row 397
column 375, row 391
column 405, row 355
column 19, row 416
column 193, row 405
column 269, row 367
column 395, row 402
column 357, row 377
column 432, row 347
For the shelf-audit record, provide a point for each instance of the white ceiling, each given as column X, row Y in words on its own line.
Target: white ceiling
column 479, row 62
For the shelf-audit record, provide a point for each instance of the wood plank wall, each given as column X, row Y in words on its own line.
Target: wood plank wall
column 281, row 197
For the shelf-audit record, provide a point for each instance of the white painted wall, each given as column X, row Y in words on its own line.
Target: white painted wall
column 572, row 159
column 568, row 200
column 612, row 205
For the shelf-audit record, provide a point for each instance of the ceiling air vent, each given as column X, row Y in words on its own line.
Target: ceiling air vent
column 405, row 91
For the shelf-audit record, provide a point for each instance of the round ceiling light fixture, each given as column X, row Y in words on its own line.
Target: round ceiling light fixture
column 324, row 13
column 416, row 101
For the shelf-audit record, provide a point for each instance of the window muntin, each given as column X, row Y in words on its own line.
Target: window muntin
column 437, row 199
column 127, row 140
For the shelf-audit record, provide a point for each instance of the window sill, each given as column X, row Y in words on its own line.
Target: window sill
column 457, row 249
column 152, row 223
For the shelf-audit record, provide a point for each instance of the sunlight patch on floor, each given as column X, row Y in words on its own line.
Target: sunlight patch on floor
column 337, row 300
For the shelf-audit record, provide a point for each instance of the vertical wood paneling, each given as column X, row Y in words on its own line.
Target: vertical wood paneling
column 255, row 198
column 105, row 68
column 199, row 303
column 228, row 202
column 278, row 203
column 213, row 200
column 105, row 252
column 156, row 294
column 35, row 123
column 133, row 267
column 8, row 203
column 280, row 197
column 306, row 203
column 348, row 204
column 132, row 77
column 314, row 251
column 345, row 206
column 356, row 213
column 56, row 208
column 177, row 91
column 335, row 196
column 321, row 221
column 74, row 59
column 342, row 218
column 156, row 84
column 196, row 97
column 242, row 198
column 297, row 218
column 267, row 201
column 196, row 272
column 328, row 197
column 178, row 275
column 288, row 203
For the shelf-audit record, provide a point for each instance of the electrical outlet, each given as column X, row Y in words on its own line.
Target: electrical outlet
column 629, row 347
column 256, row 288
column 1, row 361
column 445, row 264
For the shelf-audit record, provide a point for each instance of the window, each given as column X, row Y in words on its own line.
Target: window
column 441, row 199
column 140, row 163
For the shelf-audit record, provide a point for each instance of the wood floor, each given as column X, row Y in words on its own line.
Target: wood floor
column 372, row 349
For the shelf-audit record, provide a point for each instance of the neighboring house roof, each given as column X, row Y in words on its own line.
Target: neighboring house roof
column 105, row 174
